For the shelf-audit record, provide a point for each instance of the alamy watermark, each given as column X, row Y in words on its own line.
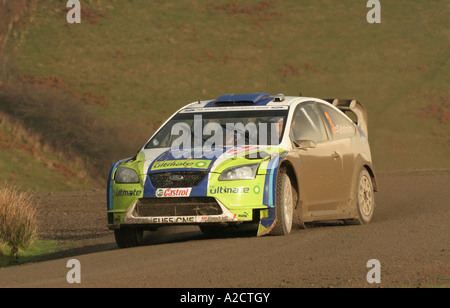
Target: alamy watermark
column 203, row 138
column 74, row 15
column 373, row 15
column 74, row 274
column 374, row 274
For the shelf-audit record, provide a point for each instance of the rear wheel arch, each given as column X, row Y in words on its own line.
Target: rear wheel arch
column 361, row 161
column 372, row 175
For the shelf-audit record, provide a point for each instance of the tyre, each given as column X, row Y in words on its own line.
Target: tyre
column 284, row 203
column 126, row 238
column 365, row 199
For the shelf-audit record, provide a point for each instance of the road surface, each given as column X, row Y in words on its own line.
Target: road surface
column 409, row 236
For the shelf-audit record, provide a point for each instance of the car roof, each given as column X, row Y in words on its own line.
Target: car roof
column 248, row 100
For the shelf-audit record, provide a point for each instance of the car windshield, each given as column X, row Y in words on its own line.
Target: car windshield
column 191, row 128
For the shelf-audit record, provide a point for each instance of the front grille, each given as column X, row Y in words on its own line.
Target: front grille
column 185, row 179
column 192, row 206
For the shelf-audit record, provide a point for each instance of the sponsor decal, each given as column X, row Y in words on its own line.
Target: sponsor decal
column 234, row 108
column 242, row 215
column 181, row 164
column 229, row 190
column 127, row 193
column 173, row 192
column 256, row 189
column 233, row 190
column 217, row 218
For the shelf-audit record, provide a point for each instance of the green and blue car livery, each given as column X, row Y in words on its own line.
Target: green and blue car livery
column 237, row 200
column 247, row 158
column 198, row 181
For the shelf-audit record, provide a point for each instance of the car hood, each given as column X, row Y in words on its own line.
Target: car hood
column 164, row 160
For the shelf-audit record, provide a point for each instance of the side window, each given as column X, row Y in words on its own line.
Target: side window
column 307, row 125
column 340, row 126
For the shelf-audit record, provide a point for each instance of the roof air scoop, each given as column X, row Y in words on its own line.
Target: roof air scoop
column 279, row 98
column 243, row 99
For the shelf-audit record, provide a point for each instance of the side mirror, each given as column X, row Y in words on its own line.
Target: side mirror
column 304, row 144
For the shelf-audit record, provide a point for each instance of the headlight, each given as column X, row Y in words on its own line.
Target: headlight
column 126, row 176
column 245, row 172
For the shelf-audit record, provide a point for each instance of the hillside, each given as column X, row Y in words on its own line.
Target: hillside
column 30, row 164
column 133, row 63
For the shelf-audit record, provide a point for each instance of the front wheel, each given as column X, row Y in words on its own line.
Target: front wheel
column 284, row 206
column 127, row 238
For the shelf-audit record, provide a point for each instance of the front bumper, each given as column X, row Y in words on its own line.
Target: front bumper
column 142, row 205
column 144, row 213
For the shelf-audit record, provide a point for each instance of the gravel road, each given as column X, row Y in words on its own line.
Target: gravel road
column 409, row 236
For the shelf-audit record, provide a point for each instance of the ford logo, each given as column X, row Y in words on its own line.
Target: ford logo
column 176, row 177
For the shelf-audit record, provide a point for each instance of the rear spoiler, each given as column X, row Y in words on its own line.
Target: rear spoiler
column 356, row 108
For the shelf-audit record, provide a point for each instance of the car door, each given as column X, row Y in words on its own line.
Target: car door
column 342, row 131
column 319, row 166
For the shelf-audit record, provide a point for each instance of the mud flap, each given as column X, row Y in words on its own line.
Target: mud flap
column 267, row 222
column 269, row 216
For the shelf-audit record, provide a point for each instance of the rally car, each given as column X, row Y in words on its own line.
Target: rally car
column 274, row 161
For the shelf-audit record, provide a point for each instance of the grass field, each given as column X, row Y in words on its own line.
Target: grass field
column 133, row 63
column 35, row 253
column 30, row 164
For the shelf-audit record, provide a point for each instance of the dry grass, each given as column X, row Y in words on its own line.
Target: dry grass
column 18, row 226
